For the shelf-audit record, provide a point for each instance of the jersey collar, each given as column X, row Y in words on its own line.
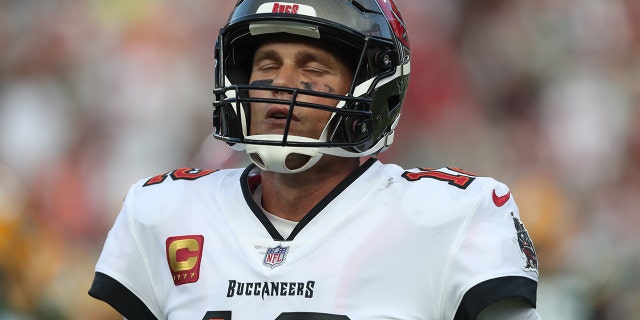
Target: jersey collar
column 249, row 180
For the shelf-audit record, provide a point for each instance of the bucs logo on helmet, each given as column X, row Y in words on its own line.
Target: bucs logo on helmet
column 396, row 21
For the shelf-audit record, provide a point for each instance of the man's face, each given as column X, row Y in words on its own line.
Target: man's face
column 295, row 65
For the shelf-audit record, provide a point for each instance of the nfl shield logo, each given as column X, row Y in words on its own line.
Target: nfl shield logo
column 275, row 256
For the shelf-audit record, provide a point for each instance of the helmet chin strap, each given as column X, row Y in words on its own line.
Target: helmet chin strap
column 274, row 157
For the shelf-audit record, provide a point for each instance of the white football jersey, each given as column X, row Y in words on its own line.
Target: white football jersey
column 387, row 243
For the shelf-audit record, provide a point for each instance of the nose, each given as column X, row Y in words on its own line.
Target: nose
column 286, row 77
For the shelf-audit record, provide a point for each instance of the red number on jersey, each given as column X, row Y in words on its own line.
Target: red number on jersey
column 462, row 180
column 179, row 174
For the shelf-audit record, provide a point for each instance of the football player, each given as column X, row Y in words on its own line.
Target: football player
column 317, row 227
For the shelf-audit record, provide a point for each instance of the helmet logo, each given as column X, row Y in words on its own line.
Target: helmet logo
column 396, row 21
column 286, row 7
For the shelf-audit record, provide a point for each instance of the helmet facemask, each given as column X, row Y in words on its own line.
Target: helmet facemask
column 347, row 127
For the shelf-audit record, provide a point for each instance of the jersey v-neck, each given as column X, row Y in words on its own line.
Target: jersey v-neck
column 283, row 226
column 247, row 189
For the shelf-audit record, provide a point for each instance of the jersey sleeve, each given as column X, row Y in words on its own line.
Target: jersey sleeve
column 495, row 258
column 121, row 277
column 509, row 309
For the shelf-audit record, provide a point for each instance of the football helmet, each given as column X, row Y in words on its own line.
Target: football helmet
column 371, row 34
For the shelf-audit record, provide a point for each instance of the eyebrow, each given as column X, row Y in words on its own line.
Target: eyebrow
column 306, row 56
column 266, row 55
column 302, row 56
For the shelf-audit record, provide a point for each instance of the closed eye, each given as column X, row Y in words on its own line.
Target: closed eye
column 315, row 71
column 267, row 67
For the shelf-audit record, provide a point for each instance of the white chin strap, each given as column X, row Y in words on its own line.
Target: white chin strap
column 274, row 158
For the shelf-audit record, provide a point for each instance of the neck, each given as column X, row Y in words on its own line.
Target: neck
column 292, row 196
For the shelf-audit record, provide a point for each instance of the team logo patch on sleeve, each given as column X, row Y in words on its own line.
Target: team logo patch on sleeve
column 275, row 256
column 184, row 254
column 526, row 245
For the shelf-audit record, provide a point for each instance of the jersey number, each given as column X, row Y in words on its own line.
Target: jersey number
column 226, row 315
column 461, row 180
column 179, row 174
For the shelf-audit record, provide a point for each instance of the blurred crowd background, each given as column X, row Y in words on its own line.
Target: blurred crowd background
column 543, row 95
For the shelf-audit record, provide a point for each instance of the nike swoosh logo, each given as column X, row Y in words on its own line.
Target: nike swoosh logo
column 500, row 200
